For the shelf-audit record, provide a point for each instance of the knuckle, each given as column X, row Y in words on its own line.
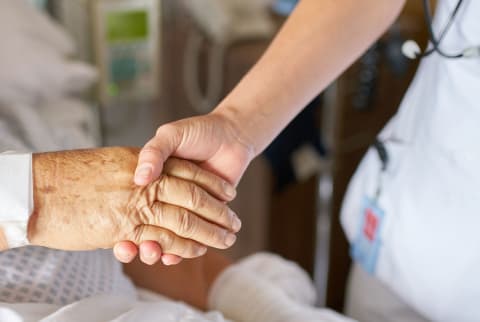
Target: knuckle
column 224, row 215
column 159, row 214
column 190, row 168
column 161, row 130
column 167, row 129
column 217, row 236
column 166, row 239
column 191, row 250
column 201, row 200
column 196, row 173
column 196, row 199
column 187, row 224
column 138, row 234
column 219, row 214
column 161, row 185
column 143, row 215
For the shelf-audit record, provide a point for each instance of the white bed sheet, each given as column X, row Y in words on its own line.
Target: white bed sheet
column 102, row 308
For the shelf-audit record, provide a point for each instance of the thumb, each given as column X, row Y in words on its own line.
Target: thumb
column 156, row 152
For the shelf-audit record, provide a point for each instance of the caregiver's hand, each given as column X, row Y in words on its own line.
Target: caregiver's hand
column 86, row 199
column 212, row 140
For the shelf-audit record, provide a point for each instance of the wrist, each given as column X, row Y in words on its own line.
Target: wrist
column 241, row 128
column 40, row 164
column 258, row 116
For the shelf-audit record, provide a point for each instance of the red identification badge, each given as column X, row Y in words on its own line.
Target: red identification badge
column 366, row 245
column 370, row 224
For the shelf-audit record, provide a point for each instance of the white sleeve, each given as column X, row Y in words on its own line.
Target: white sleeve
column 253, row 290
column 16, row 196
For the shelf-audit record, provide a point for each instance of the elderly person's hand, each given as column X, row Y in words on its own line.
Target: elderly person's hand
column 214, row 140
column 87, row 199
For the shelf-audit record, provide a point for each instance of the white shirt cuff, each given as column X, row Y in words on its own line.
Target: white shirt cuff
column 16, row 197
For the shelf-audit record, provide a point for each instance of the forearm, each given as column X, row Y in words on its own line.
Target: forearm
column 69, row 185
column 317, row 43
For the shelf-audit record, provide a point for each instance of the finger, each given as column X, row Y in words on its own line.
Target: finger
column 169, row 242
column 125, row 251
column 188, row 225
column 150, row 252
column 169, row 259
column 155, row 152
column 188, row 195
column 207, row 180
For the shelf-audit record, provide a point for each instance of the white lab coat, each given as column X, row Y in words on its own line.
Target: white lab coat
column 430, row 244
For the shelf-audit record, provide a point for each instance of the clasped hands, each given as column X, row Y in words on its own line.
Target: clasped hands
column 87, row 199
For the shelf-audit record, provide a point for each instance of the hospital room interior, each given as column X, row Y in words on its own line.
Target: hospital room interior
column 158, row 61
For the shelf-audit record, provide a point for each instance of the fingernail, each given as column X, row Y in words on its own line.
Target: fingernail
column 151, row 255
column 144, row 172
column 166, row 262
column 124, row 255
column 201, row 251
column 230, row 191
column 230, row 239
column 237, row 224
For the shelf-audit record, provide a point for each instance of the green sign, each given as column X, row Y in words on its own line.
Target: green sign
column 127, row 25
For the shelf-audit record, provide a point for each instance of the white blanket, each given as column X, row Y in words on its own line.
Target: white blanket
column 102, row 308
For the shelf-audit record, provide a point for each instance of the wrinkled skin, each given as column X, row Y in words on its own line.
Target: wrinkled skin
column 213, row 140
column 87, row 199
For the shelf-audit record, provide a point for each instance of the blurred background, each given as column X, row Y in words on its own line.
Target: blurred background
column 162, row 60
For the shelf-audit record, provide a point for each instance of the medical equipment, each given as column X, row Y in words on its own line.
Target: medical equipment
column 122, row 38
column 127, row 49
column 222, row 23
column 411, row 49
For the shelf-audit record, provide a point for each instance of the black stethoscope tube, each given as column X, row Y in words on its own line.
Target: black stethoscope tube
column 436, row 42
